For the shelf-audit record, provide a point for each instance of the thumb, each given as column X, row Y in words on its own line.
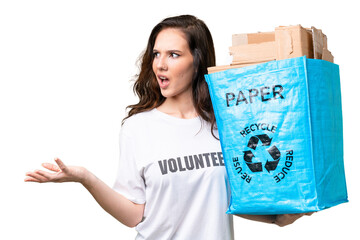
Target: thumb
column 61, row 165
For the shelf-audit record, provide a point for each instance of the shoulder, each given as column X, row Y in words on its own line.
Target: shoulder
column 135, row 122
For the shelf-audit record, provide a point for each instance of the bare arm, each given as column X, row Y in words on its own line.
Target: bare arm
column 259, row 218
column 281, row 220
column 124, row 210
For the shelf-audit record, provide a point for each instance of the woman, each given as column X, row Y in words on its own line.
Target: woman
column 171, row 182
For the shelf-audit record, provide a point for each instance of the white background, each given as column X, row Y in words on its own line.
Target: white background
column 65, row 71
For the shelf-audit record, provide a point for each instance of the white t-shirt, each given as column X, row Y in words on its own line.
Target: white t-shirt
column 174, row 166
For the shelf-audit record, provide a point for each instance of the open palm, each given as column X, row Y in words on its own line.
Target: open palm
column 59, row 173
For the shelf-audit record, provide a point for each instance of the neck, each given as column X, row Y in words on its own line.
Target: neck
column 179, row 107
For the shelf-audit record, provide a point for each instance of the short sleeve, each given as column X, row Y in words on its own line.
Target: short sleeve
column 129, row 181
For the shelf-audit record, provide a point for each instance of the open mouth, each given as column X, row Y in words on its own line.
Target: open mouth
column 163, row 81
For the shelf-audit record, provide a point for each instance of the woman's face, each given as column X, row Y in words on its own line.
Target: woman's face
column 173, row 63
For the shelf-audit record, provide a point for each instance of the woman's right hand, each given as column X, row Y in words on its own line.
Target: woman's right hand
column 59, row 173
column 117, row 205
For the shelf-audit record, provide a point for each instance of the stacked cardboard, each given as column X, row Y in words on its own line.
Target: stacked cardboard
column 285, row 42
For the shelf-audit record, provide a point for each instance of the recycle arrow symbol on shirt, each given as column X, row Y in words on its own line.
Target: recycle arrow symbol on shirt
column 273, row 151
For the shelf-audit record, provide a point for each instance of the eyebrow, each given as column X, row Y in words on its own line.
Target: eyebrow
column 168, row 51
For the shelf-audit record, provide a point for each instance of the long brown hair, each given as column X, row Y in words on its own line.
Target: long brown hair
column 202, row 48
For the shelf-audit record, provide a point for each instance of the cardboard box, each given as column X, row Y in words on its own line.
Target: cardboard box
column 285, row 42
column 253, row 53
column 251, row 38
column 320, row 45
column 293, row 41
column 226, row 67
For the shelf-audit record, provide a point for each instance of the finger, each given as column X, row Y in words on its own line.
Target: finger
column 46, row 175
column 296, row 216
column 61, row 165
column 36, row 176
column 31, row 179
column 299, row 216
column 309, row 213
column 286, row 219
column 51, row 167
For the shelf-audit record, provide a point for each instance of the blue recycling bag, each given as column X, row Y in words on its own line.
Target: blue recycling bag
column 280, row 128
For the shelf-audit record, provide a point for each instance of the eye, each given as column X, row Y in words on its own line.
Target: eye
column 174, row 55
column 156, row 54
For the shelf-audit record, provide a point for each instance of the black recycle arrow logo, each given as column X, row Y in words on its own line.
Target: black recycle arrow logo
column 273, row 151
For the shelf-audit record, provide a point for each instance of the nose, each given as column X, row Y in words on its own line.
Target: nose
column 161, row 63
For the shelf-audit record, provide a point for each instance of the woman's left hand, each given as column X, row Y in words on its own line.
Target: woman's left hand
column 285, row 219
